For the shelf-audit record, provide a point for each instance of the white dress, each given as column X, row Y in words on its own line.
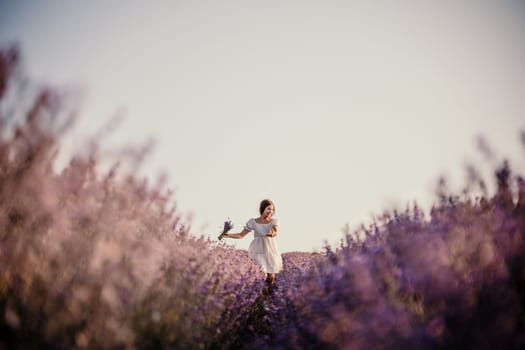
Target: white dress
column 263, row 249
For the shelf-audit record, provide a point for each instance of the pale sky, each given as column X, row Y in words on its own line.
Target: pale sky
column 336, row 110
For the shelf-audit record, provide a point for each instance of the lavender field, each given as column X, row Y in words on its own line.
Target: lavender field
column 93, row 258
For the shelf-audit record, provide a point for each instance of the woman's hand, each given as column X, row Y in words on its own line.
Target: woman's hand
column 273, row 231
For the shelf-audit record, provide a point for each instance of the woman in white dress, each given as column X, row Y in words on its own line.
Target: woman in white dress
column 263, row 248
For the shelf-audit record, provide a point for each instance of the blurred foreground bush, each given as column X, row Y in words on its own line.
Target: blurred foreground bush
column 453, row 281
column 98, row 260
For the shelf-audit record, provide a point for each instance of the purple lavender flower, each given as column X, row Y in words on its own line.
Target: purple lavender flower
column 227, row 227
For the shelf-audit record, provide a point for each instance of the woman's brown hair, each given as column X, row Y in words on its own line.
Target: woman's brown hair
column 264, row 204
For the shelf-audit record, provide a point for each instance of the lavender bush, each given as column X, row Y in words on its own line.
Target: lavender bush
column 101, row 259
column 453, row 281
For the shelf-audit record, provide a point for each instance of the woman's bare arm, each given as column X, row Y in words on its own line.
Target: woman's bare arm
column 237, row 235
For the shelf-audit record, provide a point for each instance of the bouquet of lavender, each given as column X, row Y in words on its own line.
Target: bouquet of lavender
column 227, row 227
